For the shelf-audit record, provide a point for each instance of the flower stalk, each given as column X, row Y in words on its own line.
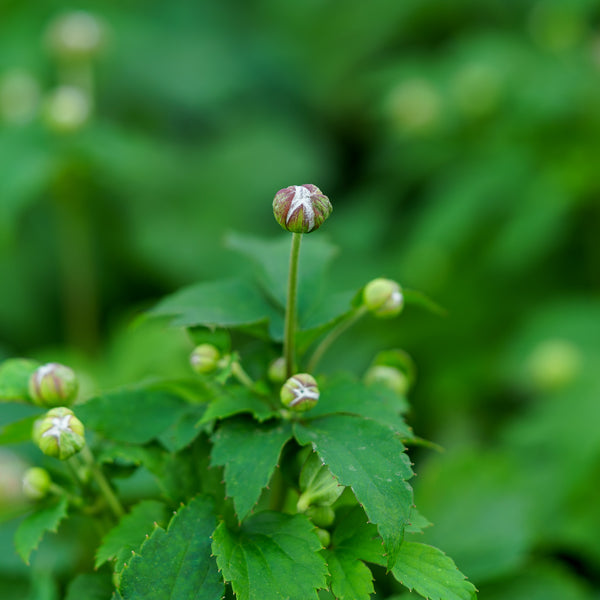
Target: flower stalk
column 289, row 337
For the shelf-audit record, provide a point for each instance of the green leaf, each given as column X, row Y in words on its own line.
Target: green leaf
column 19, row 431
column 89, row 586
column 353, row 535
column 417, row 522
column 33, row 527
column 351, row 579
column 416, row 298
column 272, row 556
column 234, row 400
column 130, row 532
column 431, row 573
column 369, row 458
column 176, row 563
column 14, row 379
column 227, row 303
column 249, row 452
column 183, row 430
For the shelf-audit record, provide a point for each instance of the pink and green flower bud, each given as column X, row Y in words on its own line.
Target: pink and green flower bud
column 205, row 358
column 52, row 385
column 59, row 433
column 36, row 483
column 276, row 372
column 300, row 392
column 324, row 537
column 390, row 377
column 321, row 516
column 301, row 208
column 383, row 298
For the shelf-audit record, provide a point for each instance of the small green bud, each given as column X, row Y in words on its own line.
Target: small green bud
column 52, row 385
column 36, row 483
column 554, row 364
column 383, row 297
column 276, row 372
column 392, row 378
column 205, row 358
column 75, row 35
column 319, row 487
column 59, row 433
column 67, row 109
column 324, row 537
column 321, row 516
column 300, row 392
column 301, row 208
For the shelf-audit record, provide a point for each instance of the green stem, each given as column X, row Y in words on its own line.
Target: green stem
column 326, row 342
column 241, row 375
column 105, row 489
column 289, row 341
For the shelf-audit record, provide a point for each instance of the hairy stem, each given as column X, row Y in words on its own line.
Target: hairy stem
column 289, row 338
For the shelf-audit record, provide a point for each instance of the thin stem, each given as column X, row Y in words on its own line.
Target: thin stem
column 326, row 342
column 105, row 489
column 241, row 375
column 289, row 341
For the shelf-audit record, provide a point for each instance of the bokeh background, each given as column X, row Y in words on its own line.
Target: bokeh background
column 459, row 143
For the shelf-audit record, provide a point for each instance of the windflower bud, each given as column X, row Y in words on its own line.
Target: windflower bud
column 52, row 385
column 276, row 372
column 36, row 483
column 67, row 109
column 301, row 208
column 300, row 392
column 205, row 358
column 321, row 516
column 383, row 297
column 392, row 378
column 324, row 537
column 75, row 35
column 59, row 433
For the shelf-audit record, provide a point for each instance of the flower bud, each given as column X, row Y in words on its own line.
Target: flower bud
column 321, row 516
column 300, row 392
column 276, row 372
column 324, row 537
column 67, row 109
column 319, row 487
column 383, row 297
column 205, row 358
column 301, row 208
column 52, row 385
column 59, row 433
column 390, row 377
column 75, row 35
column 36, row 483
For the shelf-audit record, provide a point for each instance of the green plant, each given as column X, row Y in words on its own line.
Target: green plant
column 268, row 480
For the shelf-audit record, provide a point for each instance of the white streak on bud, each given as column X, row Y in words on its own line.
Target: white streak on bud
column 302, row 199
column 302, row 392
column 59, row 425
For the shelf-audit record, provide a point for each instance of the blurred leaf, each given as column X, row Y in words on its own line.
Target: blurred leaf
column 89, row 586
column 14, row 379
column 20, row 431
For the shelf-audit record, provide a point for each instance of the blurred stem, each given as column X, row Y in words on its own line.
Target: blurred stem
column 333, row 335
column 238, row 372
column 289, row 337
column 105, row 489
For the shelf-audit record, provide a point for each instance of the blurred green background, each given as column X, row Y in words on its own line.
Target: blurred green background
column 459, row 143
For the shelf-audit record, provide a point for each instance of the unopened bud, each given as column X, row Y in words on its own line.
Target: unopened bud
column 321, row 516
column 383, row 297
column 324, row 537
column 67, row 109
column 301, row 208
column 319, row 487
column 276, row 372
column 392, row 378
column 75, row 35
column 300, row 392
column 36, row 483
column 53, row 384
column 205, row 358
column 59, row 433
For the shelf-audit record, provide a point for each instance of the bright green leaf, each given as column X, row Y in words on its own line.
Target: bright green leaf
column 14, row 379
column 17, row 432
column 249, row 451
column 235, row 400
column 370, row 458
column 131, row 531
column 176, row 563
column 272, row 556
column 33, row 527
column 89, row 586
column 431, row 573
column 183, row 430
column 351, row 579
column 356, row 537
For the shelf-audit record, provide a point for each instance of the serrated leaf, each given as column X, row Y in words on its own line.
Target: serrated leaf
column 370, row 458
column 431, row 573
column 14, row 379
column 417, row 522
column 17, row 432
column 351, row 579
column 272, row 556
column 89, row 586
column 34, row 526
column 355, row 536
column 183, row 431
column 249, row 451
column 131, row 531
column 176, row 563
column 235, row 400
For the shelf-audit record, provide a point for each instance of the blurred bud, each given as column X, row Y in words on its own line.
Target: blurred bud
column 12, row 469
column 75, row 35
column 301, row 208
column 19, row 97
column 390, row 377
column 383, row 297
column 553, row 364
column 300, row 392
column 276, row 372
column 36, row 483
column 53, row 385
column 319, row 487
column 321, row 516
column 205, row 358
column 67, row 109
column 414, row 106
column 59, row 433
column 324, row 537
